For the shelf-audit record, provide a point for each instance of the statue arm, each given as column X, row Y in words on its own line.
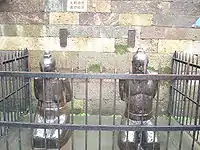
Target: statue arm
column 67, row 89
column 36, row 87
column 122, row 89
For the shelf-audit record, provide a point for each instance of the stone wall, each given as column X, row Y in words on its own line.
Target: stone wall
column 98, row 35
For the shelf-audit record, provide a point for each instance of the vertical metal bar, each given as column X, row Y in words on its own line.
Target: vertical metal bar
column 177, row 83
column 128, row 116
column 3, row 96
column 86, row 110
column 9, row 100
column 196, row 116
column 72, row 108
column 194, row 92
column 44, row 101
column 11, row 86
column 15, row 87
column 184, row 101
column 156, row 114
column 179, row 95
column 58, row 105
column 171, row 96
column 100, row 105
column 114, row 113
column 4, row 104
column 190, row 91
column 18, row 97
column 1, row 69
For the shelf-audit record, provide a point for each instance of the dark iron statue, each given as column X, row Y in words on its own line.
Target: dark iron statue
column 138, row 95
column 53, row 95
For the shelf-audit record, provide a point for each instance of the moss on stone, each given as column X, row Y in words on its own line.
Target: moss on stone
column 78, row 107
column 94, row 68
column 166, row 70
column 121, row 49
column 151, row 68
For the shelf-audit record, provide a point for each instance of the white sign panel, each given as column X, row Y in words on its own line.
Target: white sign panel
column 77, row 5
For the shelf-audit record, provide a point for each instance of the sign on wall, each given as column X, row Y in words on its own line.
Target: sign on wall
column 77, row 5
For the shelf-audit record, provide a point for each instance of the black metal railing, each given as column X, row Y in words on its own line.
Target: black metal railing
column 184, row 100
column 100, row 131
column 86, row 126
column 14, row 91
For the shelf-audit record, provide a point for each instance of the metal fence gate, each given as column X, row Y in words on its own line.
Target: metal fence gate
column 14, row 93
column 185, row 104
column 99, row 132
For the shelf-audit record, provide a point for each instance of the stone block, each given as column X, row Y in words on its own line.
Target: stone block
column 184, row 8
column 86, row 18
column 32, row 30
column 195, row 47
column 99, row 6
column 34, row 58
column 170, row 33
column 23, row 30
column 22, row 6
column 63, row 18
column 143, row 7
column 55, row 5
column 23, row 18
column 9, row 30
column 74, row 30
column 169, row 46
column 135, row 19
column 98, row 19
column 114, row 31
column 173, row 20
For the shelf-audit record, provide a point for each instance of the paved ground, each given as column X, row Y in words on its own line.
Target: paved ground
column 93, row 137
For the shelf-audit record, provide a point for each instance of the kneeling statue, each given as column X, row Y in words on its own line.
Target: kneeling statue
column 138, row 95
column 53, row 95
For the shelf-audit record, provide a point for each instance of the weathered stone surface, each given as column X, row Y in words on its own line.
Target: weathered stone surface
column 52, row 43
column 114, row 31
column 98, row 19
column 88, row 58
column 74, row 30
column 63, row 18
column 170, row 33
column 107, row 61
column 134, row 6
column 150, row 45
column 55, row 5
column 123, row 63
column 64, row 60
column 23, row 30
column 86, row 19
column 169, row 46
column 32, row 30
column 195, row 47
column 99, row 6
column 22, row 6
column 9, row 30
column 173, row 20
column 23, row 18
column 92, row 31
column 184, row 8
column 135, row 19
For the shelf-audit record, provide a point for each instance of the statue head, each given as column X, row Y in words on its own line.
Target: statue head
column 140, row 62
column 48, row 63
